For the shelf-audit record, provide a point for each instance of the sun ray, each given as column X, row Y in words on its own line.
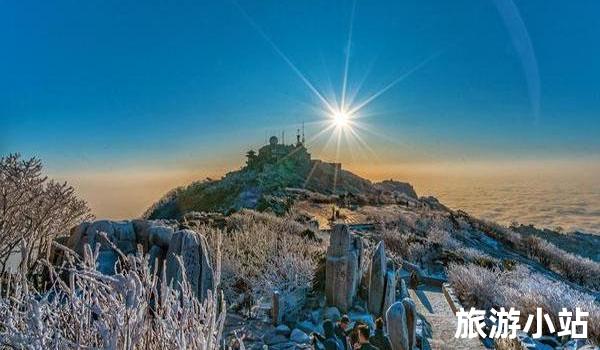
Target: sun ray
column 289, row 62
column 364, row 144
column 394, row 82
column 310, row 174
column 358, row 85
column 347, row 58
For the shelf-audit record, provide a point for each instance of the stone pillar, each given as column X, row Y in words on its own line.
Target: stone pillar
column 389, row 297
column 276, row 309
column 382, row 283
column 411, row 321
column 342, row 268
column 377, row 280
column 403, row 290
column 397, row 326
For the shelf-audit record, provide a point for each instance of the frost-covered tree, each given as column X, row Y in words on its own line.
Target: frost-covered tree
column 84, row 309
column 33, row 208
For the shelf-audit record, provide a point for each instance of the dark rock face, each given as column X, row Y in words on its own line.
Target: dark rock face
column 342, row 270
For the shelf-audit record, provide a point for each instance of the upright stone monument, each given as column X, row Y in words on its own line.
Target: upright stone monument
column 377, row 280
column 397, row 326
column 342, row 268
column 411, row 321
column 382, row 282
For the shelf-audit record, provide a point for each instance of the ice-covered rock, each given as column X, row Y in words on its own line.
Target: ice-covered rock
column 332, row 313
column 192, row 249
column 309, row 327
column 105, row 234
column 160, row 235
column 283, row 330
column 299, row 337
column 363, row 317
column 272, row 338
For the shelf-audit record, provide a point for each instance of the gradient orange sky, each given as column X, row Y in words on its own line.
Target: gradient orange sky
column 127, row 192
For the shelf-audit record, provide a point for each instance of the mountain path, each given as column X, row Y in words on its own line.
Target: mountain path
column 434, row 308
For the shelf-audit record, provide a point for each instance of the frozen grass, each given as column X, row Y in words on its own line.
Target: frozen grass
column 134, row 309
column 522, row 289
column 263, row 253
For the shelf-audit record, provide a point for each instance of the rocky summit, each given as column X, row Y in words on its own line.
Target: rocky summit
column 271, row 179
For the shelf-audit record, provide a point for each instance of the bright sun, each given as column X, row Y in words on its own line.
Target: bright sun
column 341, row 119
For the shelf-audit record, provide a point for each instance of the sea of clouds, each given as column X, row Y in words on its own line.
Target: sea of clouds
column 544, row 202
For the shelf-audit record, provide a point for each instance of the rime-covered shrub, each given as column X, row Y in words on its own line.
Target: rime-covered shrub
column 574, row 268
column 263, row 253
column 522, row 289
column 134, row 309
column 436, row 243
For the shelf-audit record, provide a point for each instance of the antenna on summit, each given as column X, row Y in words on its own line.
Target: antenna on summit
column 303, row 132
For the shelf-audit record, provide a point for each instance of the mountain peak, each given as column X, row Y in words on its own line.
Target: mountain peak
column 263, row 181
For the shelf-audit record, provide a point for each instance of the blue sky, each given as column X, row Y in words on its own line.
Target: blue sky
column 90, row 84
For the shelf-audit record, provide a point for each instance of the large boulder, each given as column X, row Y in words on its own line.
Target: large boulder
column 192, row 249
column 397, row 326
column 332, row 313
column 160, row 235
column 299, row 337
column 342, row 268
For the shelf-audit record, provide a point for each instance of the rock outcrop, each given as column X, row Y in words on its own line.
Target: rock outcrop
column 396, row 188
column 105, row 233
column 342, row 269
column 158, row 239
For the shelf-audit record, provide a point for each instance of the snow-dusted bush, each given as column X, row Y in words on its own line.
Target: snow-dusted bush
column 33, row 208
column 522, row 289
column 437, row 243
column 575, row 268
column 134, row 309
column 263, row 253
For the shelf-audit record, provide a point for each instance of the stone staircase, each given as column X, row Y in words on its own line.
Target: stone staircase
column 433, row 306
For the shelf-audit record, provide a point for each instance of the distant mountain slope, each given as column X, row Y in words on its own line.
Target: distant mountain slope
column 261, row 184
